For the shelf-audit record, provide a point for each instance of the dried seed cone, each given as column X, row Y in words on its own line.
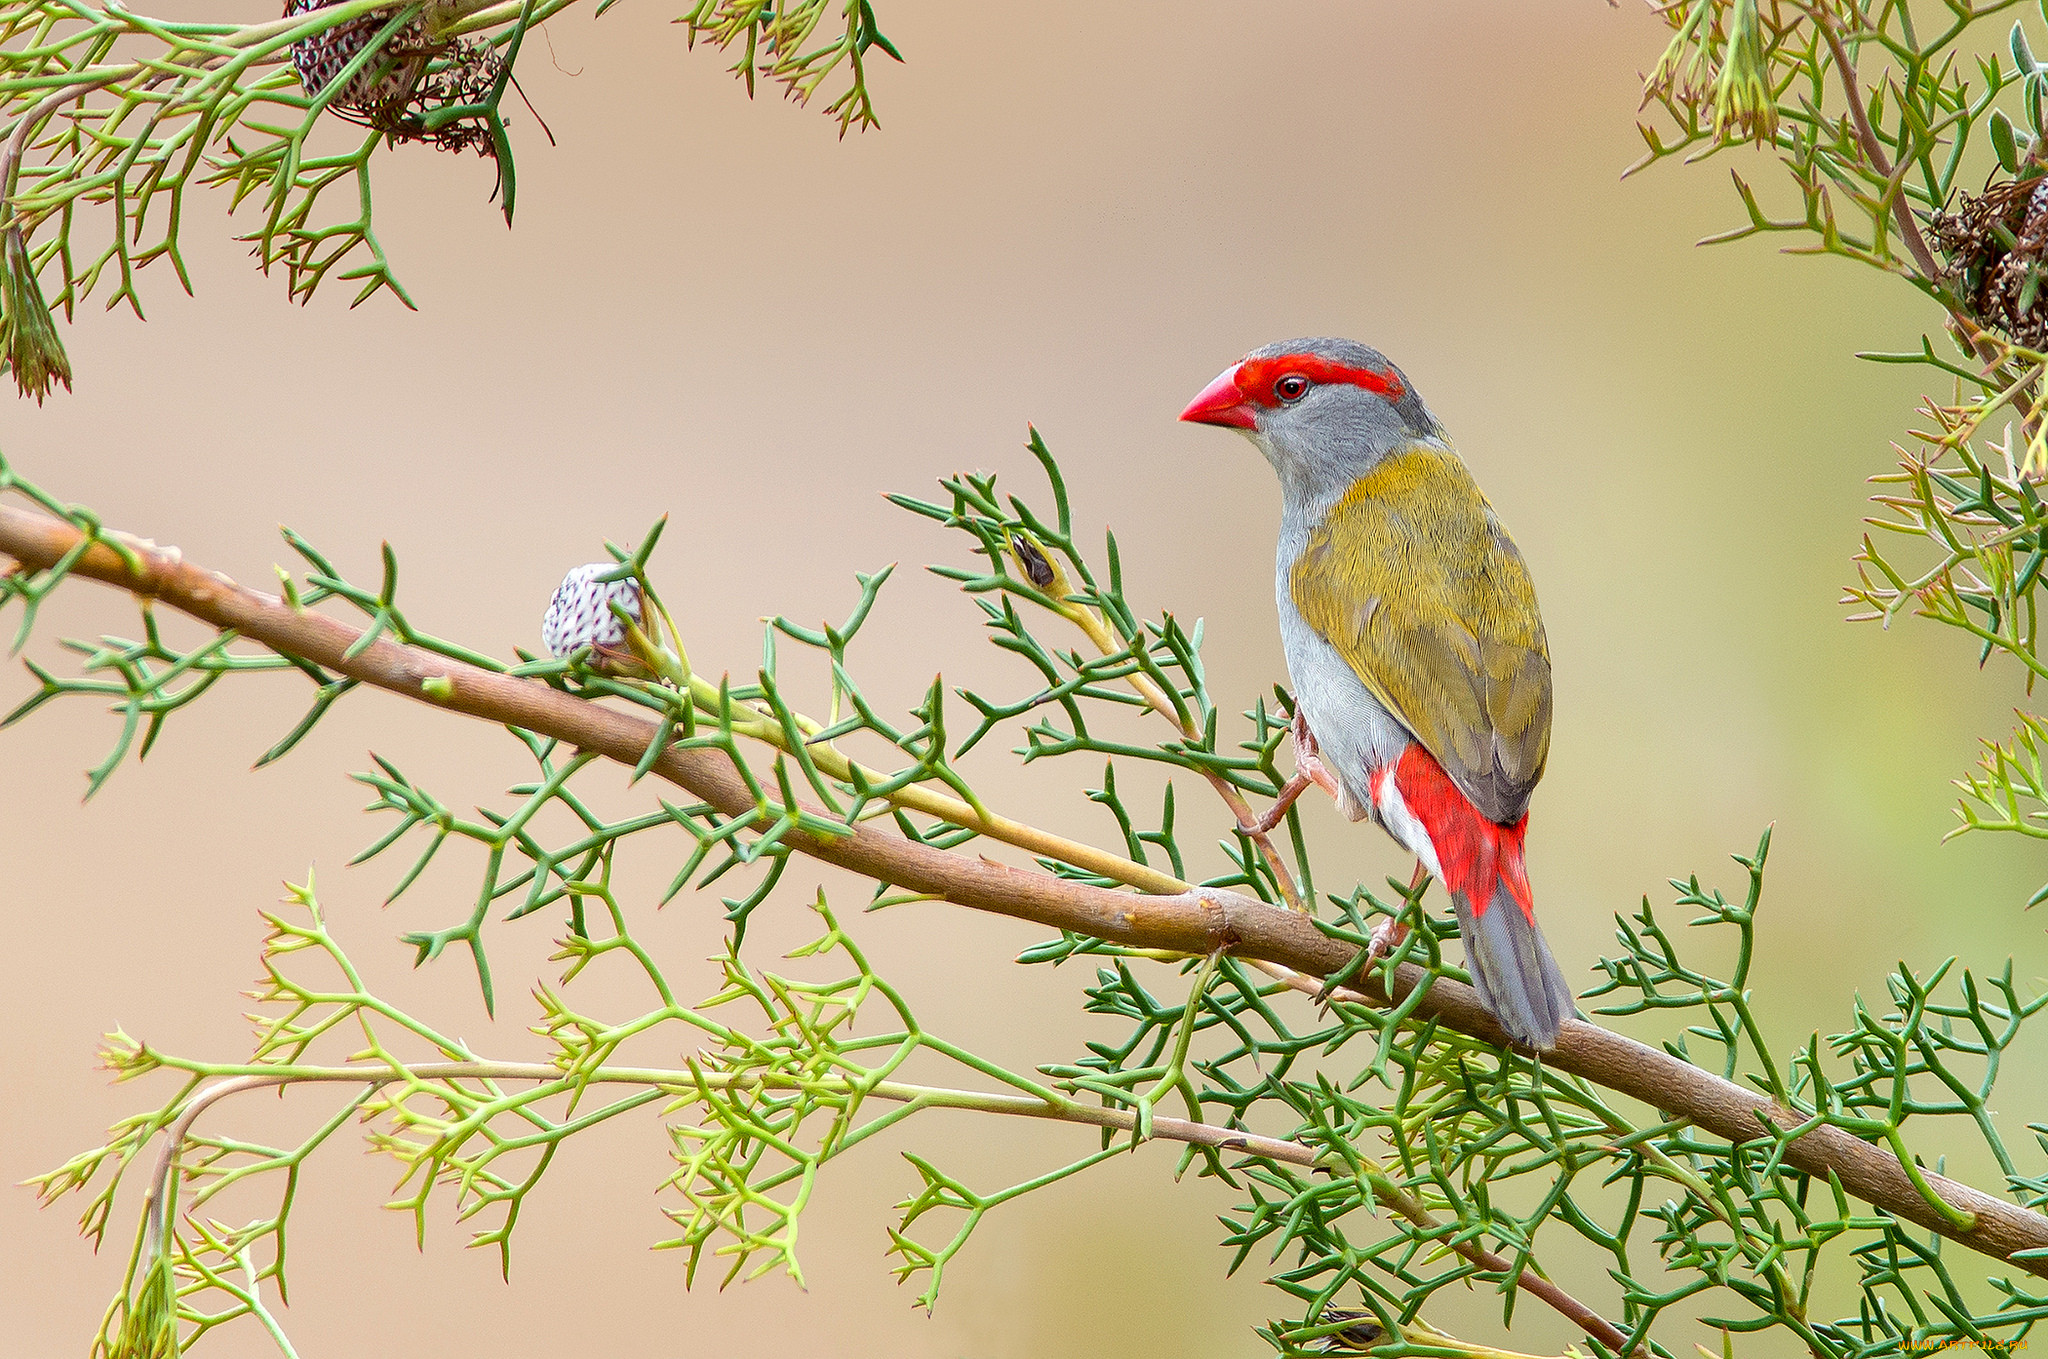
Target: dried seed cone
column 580, row 613
column 1997, row 249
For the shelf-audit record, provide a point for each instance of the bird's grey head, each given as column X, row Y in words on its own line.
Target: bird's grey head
column 1322, row 410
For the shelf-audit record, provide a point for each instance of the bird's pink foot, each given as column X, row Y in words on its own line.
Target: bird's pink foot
column 1307, row 759
column 1387, row 936
column 1307, row 770
column 1289, row 794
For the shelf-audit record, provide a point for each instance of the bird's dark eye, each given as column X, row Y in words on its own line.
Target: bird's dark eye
column 1291, row 388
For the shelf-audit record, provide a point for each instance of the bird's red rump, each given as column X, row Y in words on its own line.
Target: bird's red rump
column 1255, row 377
column 1474, row 853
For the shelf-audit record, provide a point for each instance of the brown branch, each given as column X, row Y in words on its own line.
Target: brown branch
column 1197, row 921
column 1015, row 1106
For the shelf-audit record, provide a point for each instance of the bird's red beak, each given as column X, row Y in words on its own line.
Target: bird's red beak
column 1222, row 402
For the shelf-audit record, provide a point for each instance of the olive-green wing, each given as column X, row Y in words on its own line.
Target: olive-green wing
column 1419, row 588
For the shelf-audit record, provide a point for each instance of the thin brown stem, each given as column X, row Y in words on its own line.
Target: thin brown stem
column 1192, row 922
column 1283, row 802
column 1902, row 211
column 1986, row 347
column 31, row 123
column 684, row 1082
column 923, row 798
column 1873, row 149
column 1249, row 822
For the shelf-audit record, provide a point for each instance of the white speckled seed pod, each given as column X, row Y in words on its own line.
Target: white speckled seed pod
column 380, row 85
column 579, row 615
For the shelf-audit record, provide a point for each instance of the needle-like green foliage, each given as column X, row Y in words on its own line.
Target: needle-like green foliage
column 1912, row 136
column 108, row 117
column 1373, row 1157
column 1406, row 1157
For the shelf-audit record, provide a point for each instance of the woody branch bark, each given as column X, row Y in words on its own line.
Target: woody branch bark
column 1194, row 921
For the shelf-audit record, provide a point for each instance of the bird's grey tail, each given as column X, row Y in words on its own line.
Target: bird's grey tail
column 1518, row 981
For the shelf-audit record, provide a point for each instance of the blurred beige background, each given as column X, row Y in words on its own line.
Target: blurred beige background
column 1074, row 214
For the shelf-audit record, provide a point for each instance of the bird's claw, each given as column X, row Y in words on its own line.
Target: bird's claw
column 1387, row 936
column 1307, row 759
column 1308, row 769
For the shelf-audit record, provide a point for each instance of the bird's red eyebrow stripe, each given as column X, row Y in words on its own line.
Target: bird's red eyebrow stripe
column 1255, row 377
